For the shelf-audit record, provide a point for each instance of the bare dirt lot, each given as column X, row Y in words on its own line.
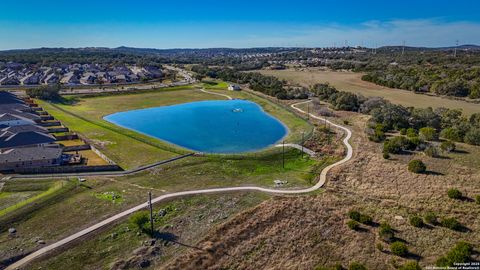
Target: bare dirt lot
column 352, row 82
column 309, row 231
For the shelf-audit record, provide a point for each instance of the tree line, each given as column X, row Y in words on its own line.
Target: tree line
column 430, row 123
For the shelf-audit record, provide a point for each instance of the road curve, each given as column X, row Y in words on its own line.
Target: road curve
column 319, row 184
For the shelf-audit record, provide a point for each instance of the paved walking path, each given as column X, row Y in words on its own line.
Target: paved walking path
column 218, row 94
column 319, row 184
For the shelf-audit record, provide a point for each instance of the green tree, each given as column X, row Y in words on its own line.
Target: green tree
column 416, row 221
column 454, row 193
column 473, row 136
column 460, row 253
column 417, row 166
column 353, row 225
column 451, row 223
column 356, row 266
column 428, row 134
column 139, row 219
column 452, row 134
column 448, row 146
column 431, row 218
column 398, row 248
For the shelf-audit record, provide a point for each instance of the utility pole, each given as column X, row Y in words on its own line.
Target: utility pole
column 151, row 211
column 308, row 111
column 303, row 141
column 403, row 48
column 283, row 154
column 455, row 52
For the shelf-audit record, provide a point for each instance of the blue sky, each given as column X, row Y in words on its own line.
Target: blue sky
column 247, row 23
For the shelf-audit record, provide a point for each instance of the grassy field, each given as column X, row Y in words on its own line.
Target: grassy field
column 277, row 233
column 185, row 222
column 130, row 149
column 352, row 82
column 32, row 189
column 86, row 203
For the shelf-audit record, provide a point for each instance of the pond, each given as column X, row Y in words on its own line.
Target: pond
column 227, row 126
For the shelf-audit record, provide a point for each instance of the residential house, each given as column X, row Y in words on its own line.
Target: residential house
column 23, row 139
column 7, row 119
column 234, row 87
column 30, row 157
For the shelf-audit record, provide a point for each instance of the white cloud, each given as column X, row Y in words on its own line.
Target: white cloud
column 427, row 32
column 420, row 32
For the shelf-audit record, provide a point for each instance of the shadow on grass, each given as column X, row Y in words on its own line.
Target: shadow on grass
column 171, row 238
column 433, row 173
column 457, row 151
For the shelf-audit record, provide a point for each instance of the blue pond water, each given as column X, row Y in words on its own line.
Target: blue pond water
column 231, row 126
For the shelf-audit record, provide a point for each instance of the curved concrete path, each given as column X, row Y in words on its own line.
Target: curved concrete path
column 319, row 184
column 218, row 94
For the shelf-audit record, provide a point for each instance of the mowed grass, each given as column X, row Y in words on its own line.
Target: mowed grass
column 128, row 148
column 208, row 172
column 352, row 82
column 131, row 149
column 81, row 205
column 35, row 191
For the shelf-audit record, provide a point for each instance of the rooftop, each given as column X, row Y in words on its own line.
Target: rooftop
column 30, row 153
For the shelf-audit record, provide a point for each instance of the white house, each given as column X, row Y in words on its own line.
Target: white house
column 234, row 87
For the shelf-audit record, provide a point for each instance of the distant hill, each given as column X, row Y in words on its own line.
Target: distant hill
column 409, row 48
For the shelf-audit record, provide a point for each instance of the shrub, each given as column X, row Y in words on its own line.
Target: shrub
column 412, row 265
column 451, row 223
column 356, row 266
column 346, row 122
column 431, row 218
column 399, row 249
column 452, row 134
column 411, row 132
column 448, row 146
column 428, row 134
column 395, row 145
column 431, row 151
column 380, row 247
column 386, row 232
column 473, row 136
column 386, row 155
column 403, row 131
column 454, row 193
column 414, row 143
column 47, row 92
column 417, row 166
column 139, row 219
column 460, row 253
column 355, row 215
column 365, row 219
column 477, row 198
column 352, row 224
column 378, row 133
column 416, row 221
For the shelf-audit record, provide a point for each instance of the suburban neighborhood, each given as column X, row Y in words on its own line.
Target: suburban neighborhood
column 32, row 141
column 12, row 74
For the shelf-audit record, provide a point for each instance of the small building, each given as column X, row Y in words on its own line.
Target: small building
column 234, row 87
column 30, row 157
